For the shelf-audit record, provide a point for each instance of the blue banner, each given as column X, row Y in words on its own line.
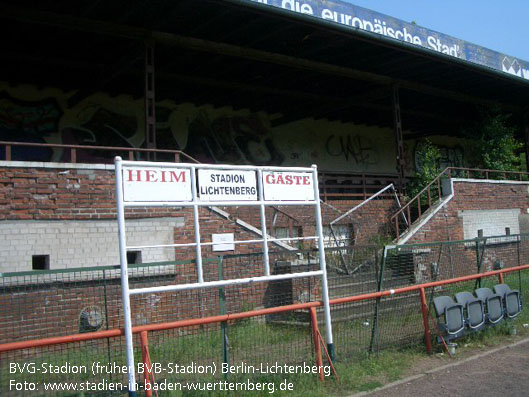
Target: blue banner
column 361, row 18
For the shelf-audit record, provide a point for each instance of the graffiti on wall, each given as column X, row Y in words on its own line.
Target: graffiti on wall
column 100, row 127
column 357, row 148
column 218, row 138
column 450, row 156
column 210, row 134
column 28, row 121
column 164, row 131
column 232, row 140
column 42, row 121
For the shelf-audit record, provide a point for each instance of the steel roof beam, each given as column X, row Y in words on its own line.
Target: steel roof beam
column 136, row 33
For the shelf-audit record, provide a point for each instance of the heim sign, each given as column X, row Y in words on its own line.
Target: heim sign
column 156, row 184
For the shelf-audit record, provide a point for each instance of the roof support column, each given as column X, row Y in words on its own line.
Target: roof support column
column 399, row 142
column 150, row 115
column 526, row 122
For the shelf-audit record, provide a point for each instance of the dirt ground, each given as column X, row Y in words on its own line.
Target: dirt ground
column 498, row 372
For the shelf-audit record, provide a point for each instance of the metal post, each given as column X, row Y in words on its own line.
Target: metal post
column 323, row 265
column 519, row 272
column 106, row 319
column 263, row 222
column 479, row 257
column 198, row 246
column 316, row 340
column 338, row 245
column 146, row 363
column 324, row 180
column 150, row 116
column 424, row 309
column 374, row 329
column 222, row 310
column 125, row 297
column 399, row 140
column 527, row 141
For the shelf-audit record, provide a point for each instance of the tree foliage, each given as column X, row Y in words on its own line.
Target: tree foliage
column 428, row 159
column 494, row 144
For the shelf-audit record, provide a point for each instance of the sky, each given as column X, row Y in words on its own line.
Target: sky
column 501, row 26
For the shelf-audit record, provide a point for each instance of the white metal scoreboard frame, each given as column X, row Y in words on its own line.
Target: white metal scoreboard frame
column 156, row 184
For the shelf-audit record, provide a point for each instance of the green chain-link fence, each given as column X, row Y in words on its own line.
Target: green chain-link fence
column 55, row 303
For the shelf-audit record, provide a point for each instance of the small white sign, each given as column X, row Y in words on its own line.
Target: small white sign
column 224, row 242
column 224, row 185
column 156, row 184
column 291, row 186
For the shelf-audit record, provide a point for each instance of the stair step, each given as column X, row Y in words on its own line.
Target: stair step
column 415, row 225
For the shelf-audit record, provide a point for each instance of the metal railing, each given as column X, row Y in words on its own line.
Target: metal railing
column 334, row 185
column 431, row 193
column 132, row 153
column 346, row 185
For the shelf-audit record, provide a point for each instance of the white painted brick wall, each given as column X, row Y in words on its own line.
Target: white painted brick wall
column 493, row 222
column 81, row 243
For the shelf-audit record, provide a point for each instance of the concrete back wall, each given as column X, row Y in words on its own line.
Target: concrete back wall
column 72, row 244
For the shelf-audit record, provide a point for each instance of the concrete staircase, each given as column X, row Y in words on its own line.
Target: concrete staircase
column 411, row 230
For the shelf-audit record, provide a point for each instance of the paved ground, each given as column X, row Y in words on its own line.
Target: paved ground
column 498, row 372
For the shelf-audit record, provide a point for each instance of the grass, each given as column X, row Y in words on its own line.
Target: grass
column 361, row 373
column 358, row 371
column 251, row 341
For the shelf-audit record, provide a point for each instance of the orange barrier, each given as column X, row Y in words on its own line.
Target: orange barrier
column 316, row 339
column 424, row 310
column 237, row 316
column 147, row 364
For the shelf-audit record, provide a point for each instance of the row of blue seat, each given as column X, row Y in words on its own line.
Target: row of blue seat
column 473, row 312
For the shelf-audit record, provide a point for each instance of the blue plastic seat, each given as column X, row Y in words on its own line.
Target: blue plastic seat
column 493, row 305
column 474, row 310
column 450, row 317
column 512, row 303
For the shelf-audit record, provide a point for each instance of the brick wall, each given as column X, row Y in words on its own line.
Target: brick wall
column 86, row 193
column 368, row 222
column 69, row 213
column 64, row 193
column 448, row 223
column 51, row 305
